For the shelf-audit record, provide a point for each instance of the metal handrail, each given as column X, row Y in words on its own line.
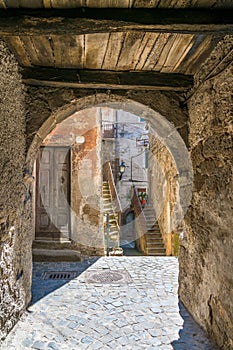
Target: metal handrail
column 108, row 176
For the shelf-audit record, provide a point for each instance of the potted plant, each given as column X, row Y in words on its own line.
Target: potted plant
column 143, row 198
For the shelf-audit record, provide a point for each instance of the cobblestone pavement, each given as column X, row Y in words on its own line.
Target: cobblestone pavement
column 117, row 303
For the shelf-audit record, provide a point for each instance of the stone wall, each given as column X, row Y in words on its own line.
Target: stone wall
column 43, row 102
column 206, row 259
column 163, row 191
column 15, row 235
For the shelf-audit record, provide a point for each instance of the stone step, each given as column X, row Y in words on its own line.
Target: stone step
column 153, row 233
column 108, row 210
column 114, row 225
column 113, row 229
column 149, row 212
column 55, row 255
column 153, row 228
column 108, row 205
column 156, row 254
column 154, row 241
column 112, row 216
column 155, row 251
column 155, row 244
column 113, row 235
column 112, row 220
column 152, row 220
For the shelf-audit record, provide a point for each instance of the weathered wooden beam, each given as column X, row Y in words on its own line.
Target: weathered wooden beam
column 89, row 20
column 101, row 79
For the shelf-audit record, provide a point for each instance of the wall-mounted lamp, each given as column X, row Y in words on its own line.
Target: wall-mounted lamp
column 121, row 169
column 80, row 139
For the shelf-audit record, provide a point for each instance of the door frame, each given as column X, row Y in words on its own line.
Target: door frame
column 35, row 173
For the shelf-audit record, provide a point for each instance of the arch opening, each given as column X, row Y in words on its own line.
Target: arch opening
column 165, row 143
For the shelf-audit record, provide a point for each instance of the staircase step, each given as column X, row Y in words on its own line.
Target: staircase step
column 156, row 254
column 153, row 233
column 153, row 227
column 56, row 255
column 155, row 251
column 153, row 244
column 112, row 216
column 154, row 239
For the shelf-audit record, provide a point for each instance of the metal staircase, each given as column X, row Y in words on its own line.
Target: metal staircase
column 154, row 244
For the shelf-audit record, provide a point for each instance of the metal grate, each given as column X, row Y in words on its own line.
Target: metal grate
column 107, row 276
column 59, row 275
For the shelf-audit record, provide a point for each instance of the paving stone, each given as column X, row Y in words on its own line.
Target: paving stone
column 27, row 342
column 73, row 325
column 53, row 346
column 123, row 340
column 39, row 345
column 97, row 345
column 87, row 340
column 144, row 314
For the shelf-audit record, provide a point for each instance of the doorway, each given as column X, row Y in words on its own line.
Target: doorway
column 52, row 194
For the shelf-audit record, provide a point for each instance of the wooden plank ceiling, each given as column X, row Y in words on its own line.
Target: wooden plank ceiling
column 47, row 34
column 121, row 51
column 115, row 3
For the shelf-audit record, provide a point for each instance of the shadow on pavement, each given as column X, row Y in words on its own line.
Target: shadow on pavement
column 42, row 287
column 191, row 336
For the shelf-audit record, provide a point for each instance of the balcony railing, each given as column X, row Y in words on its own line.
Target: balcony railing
column 108, row 131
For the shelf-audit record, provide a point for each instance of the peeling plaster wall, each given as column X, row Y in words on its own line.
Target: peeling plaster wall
column 206, row 258
column 86, row 186
column 15, row 232
column 86, row 178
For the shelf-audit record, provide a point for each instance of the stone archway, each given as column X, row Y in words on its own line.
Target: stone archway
column 162, row 129
column 166, row 134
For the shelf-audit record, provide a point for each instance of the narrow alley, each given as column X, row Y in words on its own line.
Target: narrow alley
column 107, row 303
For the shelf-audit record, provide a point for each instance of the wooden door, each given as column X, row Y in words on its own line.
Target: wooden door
column 52, row 194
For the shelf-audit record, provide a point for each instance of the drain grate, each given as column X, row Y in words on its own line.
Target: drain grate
column 107, row 276
column 59, row 275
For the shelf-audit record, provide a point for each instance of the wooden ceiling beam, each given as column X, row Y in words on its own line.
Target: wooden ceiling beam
column 100, row 79
column 89, row 20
